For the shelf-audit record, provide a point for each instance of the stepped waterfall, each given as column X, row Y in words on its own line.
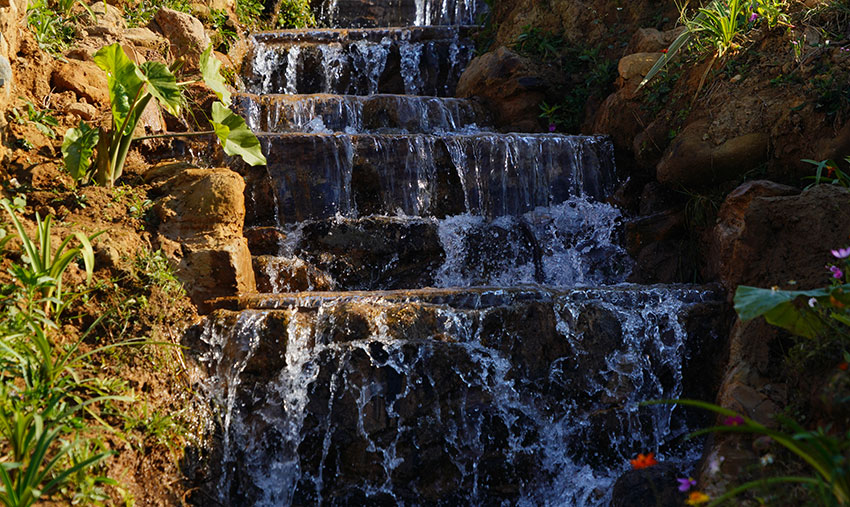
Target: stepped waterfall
column 444, row 318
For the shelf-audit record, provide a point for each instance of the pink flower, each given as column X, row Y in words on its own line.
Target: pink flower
column 841, row 253
column 733, row 420
column 552, row 127
column 686, row 484
column 754, row 17
column 836, row 272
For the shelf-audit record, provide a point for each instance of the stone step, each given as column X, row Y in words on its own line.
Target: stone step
column 369, row 13
column 575, row 243
column 412, row 388
column 385, row 113
column 412, row 61
column 315, row 176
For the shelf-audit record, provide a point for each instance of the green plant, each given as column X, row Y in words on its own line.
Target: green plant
column 46, row 267
column 41, row 119
column 250, row 12
column 142, row 12
column 717, row 27
column 538, row 43
column 826, row 454
column 294, row 14
column 827, row 171
column 225, row 33
column 131, row 88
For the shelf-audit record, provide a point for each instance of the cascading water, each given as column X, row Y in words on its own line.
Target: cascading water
column 444, row 317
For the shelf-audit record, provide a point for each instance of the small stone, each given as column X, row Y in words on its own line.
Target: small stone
column 83, row 110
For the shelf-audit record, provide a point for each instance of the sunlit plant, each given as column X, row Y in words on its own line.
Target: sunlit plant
column 101, row 153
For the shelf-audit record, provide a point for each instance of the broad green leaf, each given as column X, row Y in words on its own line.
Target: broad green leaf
column 77, row 149
column 211, row 72
column 235, row 136
column 163, row 86
column 783, row 308
column 125, row 85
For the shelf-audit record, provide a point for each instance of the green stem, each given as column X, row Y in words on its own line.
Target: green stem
column 765, row 482
column 175, row 134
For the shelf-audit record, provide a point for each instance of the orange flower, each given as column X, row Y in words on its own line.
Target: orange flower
column 643, row 461
column 697, row 498
column 843, row 366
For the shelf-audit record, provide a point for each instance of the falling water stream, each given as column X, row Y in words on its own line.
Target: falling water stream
column 444, row 317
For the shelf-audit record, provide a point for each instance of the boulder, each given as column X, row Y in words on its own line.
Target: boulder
column 620, row 118
column 636, row 65
column 200, row 214
column 12, row 16
column 769, row 234
column 185, row 33
column 85, row 79
column 509, row 84
column 146, row 38
column 691, row 161
column 108, row 16
column 650, row 40
column 82, row 110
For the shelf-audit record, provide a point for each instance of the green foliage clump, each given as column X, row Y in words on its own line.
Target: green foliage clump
column 41, row 119
column 53, row 23
column 250, row 12
column 141, row 13
column 295, row 14
column 131, row 88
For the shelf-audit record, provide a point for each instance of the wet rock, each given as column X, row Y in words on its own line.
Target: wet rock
column 768, row 235
column 185, row 33
column 664, row 261
column 288, row 274
column 668, row 224
column 692, row 162
column 84, row 78
column 650, row 486
column 200, row 214
column 511, row 87
column 621, row 118
column 373, row 253
column 648, row 146
column 265, row 240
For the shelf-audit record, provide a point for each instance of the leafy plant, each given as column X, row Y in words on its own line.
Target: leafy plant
column 131, row 88
column 827, row 171
column 718, row 26
column 537, row 43
column 224, row 33
column 142, row 12
column 46, row 267
column 53, row 31
column 41, row 119
column 294, row 14
column 825, row 454
column 250, row 12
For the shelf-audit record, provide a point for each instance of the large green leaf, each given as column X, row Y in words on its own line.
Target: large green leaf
column 784, row 308
column 77, row 149
column 163, row 86
column 235, row 136
column 125, row 85
column 211, row 72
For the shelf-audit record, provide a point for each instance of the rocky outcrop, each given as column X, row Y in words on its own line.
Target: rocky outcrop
column 200, row 214
column 186, row 35
column 12, row 14
column 84, row 78
column 769, row 234
column 510, row 85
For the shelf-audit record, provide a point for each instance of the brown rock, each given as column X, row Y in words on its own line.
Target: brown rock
column 144, row 37
column 185, row 33
column 510, row 86
column 108, row 16
column 690, row 161
column 621, row 119
column 83, row 110
column 658, row 227
column 201, row 212
column 767, row 236
column 650, row 40
column 636, row 65
column 85, row 79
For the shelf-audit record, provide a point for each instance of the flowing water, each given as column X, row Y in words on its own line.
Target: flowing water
column 445, row 318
